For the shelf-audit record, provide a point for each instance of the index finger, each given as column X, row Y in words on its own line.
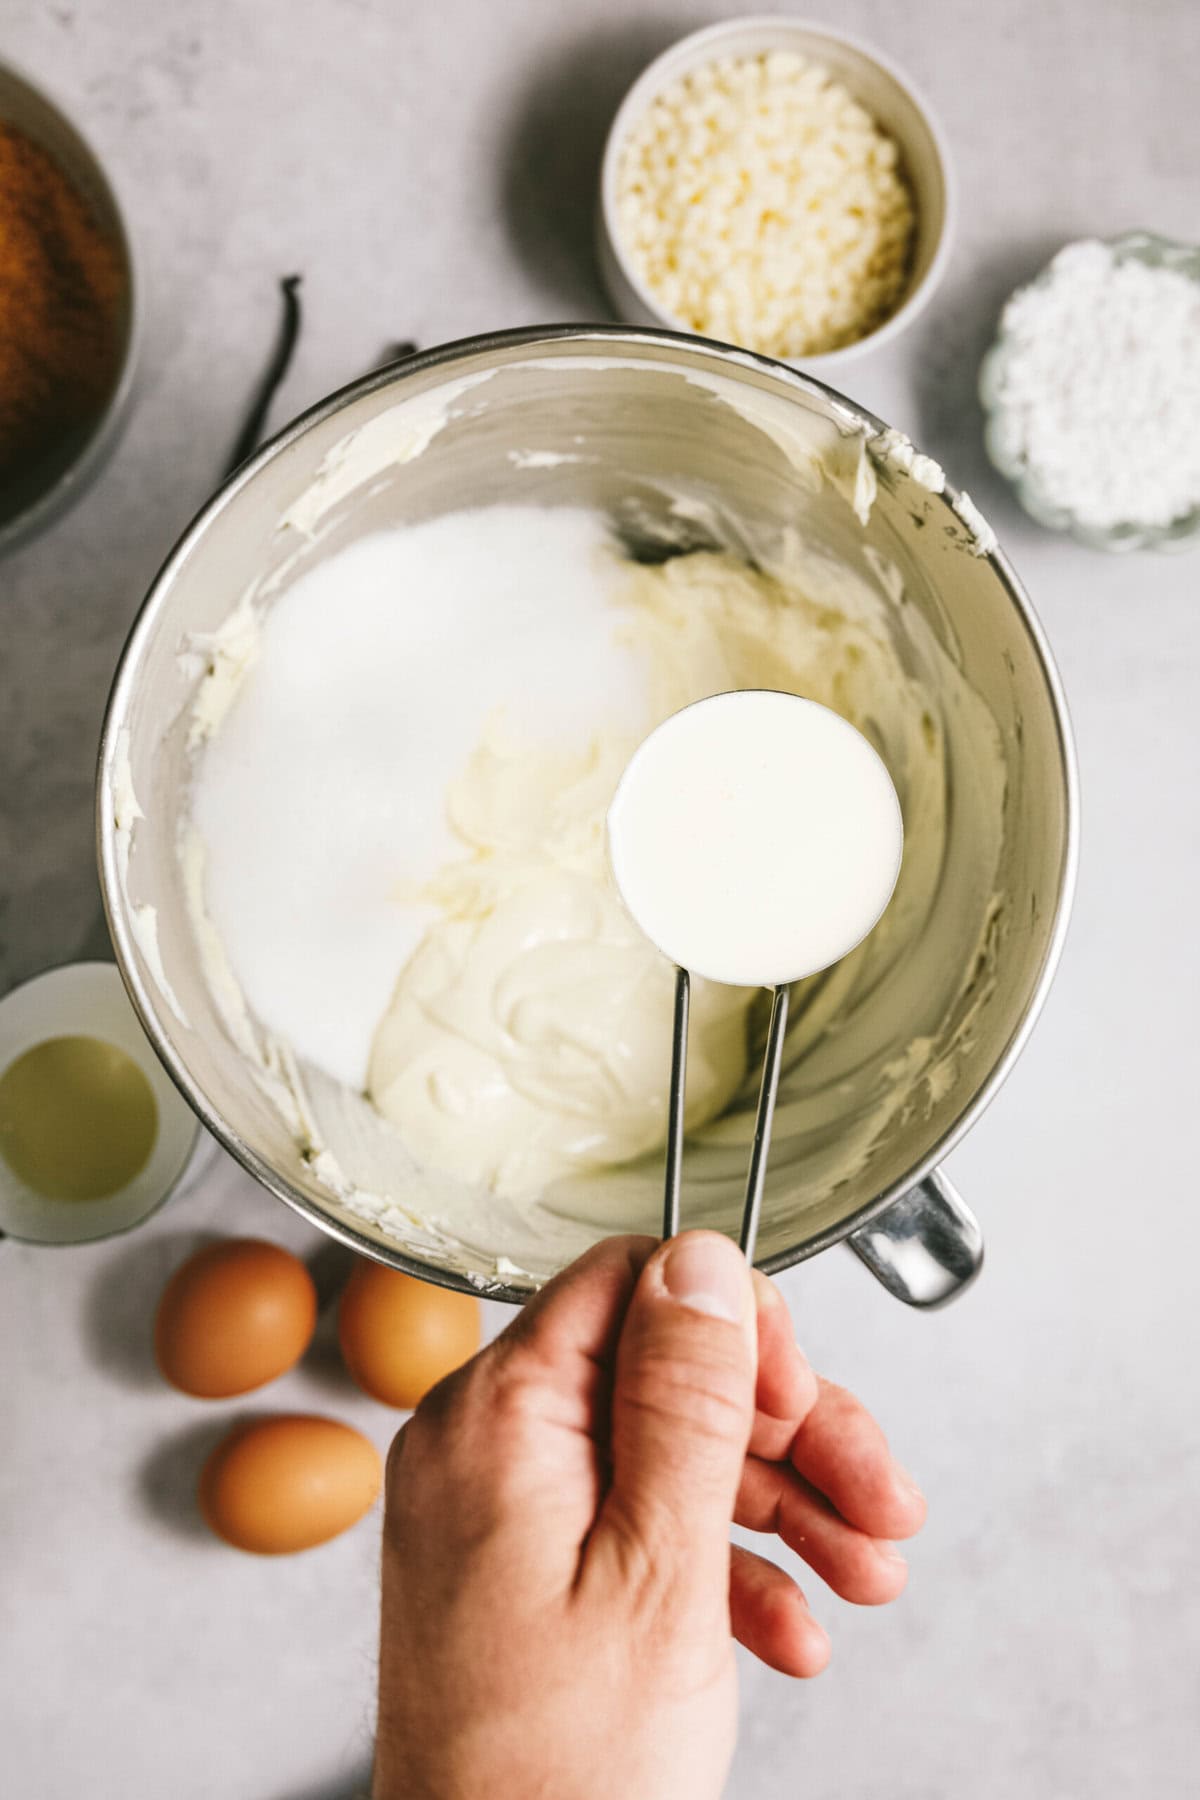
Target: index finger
column 581, row 1310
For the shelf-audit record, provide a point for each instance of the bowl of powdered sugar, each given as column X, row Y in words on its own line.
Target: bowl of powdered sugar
column 1092, row 393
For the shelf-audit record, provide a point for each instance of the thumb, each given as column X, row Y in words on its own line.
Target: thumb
column 683, row 1409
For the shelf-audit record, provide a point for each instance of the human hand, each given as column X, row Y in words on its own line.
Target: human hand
column 559, row 1589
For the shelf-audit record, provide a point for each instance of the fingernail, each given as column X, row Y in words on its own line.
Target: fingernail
column 888, row 1552
column 709, row 1274
column 905, row 1480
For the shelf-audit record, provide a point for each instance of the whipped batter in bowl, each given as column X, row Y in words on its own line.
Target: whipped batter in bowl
column 363, row 741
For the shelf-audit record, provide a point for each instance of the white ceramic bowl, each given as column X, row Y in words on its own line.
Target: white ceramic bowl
column 887, row 94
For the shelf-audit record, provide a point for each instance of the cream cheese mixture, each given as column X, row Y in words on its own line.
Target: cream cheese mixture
column 399, row 822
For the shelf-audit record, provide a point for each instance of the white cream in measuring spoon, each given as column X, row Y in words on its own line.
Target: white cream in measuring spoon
column 756, row 838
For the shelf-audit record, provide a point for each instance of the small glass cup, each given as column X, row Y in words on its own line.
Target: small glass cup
column 88, row 1000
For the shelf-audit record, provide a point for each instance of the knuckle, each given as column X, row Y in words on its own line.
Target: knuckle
column 413, row 1468
column 499, row 1440
column 397, row 1494
column 512, row 1404
column 430, row 1447
column 862, row 1577
column 396, row 1469
column 708, row 1400
column 436, row 1408
column 406, row 1498
column 845, row 1411
column 838, row 1400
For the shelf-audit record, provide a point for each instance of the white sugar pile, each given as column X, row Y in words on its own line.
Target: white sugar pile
column 1099, row 387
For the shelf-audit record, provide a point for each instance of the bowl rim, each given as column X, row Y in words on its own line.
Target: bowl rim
column 72, row 482
column 785, row 29
column 445, row 356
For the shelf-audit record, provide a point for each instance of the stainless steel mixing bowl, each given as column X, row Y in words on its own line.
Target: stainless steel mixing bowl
column 613, row 419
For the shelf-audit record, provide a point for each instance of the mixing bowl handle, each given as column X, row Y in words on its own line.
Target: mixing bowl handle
column 926, row 1247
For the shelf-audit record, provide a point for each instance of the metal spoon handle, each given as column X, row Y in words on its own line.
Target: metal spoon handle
column 772, row 1064
column 764, row 1119
column 675, row 1105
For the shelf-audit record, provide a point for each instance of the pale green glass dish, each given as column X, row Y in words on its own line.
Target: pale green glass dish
column 1180, row 533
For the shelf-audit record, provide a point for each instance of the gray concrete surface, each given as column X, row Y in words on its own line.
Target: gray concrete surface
column 429, row 168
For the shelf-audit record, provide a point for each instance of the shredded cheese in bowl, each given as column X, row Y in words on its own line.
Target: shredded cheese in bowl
column 761, row 204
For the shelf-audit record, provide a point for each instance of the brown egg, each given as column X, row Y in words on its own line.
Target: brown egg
column 399, row 1336
column 288, row 1483
column 233, row 1316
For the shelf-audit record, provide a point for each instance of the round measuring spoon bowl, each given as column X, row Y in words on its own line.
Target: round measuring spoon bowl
column 755, row 838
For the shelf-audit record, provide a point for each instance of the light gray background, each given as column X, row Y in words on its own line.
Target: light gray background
column 429, row 168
